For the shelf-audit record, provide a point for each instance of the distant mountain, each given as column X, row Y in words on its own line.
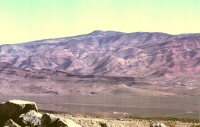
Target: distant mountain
column 154, row 56
column 103, row 62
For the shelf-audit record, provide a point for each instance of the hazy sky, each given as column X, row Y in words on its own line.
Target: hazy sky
column 28, row 20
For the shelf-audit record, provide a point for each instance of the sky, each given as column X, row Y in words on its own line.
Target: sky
column 29, row 20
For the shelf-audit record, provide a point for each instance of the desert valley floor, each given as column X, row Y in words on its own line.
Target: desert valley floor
column 117, row 106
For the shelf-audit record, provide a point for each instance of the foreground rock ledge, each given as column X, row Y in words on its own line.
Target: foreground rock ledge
column 19, row 113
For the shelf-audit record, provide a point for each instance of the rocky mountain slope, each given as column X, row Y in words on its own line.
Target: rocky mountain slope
column 153, row 58
column 110, row 53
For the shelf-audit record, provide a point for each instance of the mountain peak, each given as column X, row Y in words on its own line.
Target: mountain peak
column 97, row 32
column 104, row 33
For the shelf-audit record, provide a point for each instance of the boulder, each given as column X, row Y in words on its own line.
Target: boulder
column 11, row 123
column 31, row 118
column 157, row 124
column 103, row 124
column 48, row 120
column 14, row 108
column 52, row 121
column 25, row 113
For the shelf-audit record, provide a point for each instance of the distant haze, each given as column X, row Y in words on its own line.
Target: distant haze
column 23, row 20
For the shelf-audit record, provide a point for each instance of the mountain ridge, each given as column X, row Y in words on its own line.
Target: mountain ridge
column 111, row 53
column 111, row 62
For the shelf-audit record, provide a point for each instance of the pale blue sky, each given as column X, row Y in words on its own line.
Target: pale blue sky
column 28, row 20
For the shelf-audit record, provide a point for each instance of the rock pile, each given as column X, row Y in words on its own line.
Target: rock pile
column 18, row 113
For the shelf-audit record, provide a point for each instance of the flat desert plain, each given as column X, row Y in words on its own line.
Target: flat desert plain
column 117, row 106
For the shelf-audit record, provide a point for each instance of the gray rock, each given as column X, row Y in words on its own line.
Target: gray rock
column 52, row 121
column 31, row 118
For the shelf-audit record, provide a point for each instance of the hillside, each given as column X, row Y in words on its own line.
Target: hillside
column 155, row 56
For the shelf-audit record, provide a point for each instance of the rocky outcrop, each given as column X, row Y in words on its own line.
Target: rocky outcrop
column 14, row 108
column 18, row 113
